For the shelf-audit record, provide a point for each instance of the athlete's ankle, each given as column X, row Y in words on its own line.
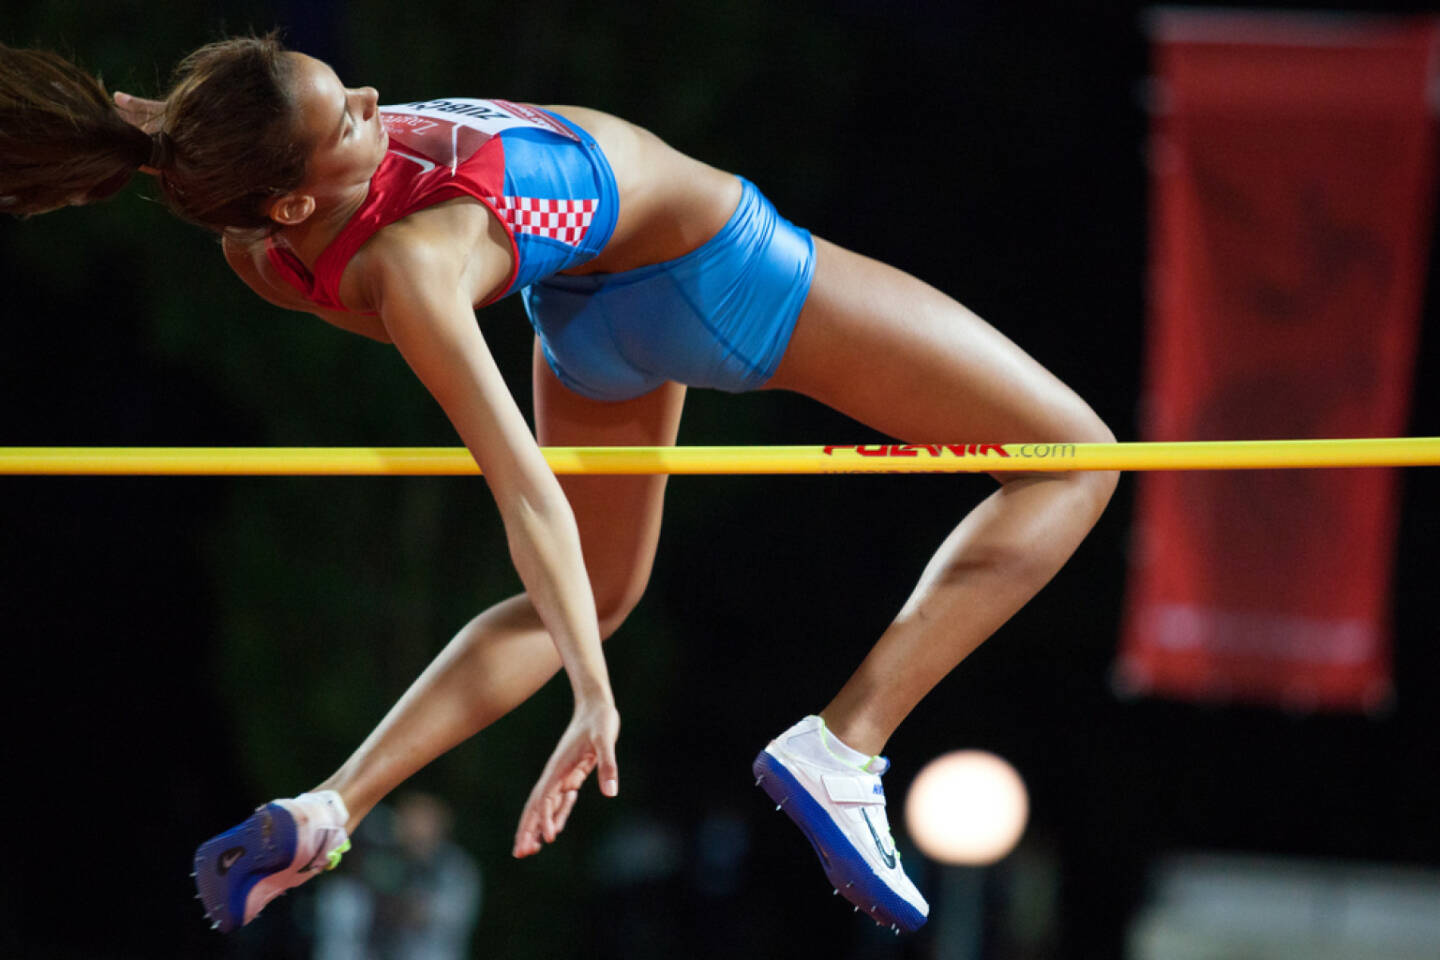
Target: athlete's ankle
column 351, row 801
column 854, row 733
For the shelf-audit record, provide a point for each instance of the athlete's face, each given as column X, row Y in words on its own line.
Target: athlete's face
column 342, row 126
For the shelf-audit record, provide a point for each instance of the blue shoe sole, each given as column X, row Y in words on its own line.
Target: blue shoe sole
column 228, row 866
column 845, row 867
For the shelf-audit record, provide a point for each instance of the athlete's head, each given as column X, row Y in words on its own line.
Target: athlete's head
column 237, row 134
column 345, row 140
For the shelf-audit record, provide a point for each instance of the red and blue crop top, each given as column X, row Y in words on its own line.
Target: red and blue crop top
column 544, row 178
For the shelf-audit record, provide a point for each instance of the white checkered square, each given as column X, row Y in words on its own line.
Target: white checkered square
column 563, row 220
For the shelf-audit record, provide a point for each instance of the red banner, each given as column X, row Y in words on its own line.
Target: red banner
column 1292, row 174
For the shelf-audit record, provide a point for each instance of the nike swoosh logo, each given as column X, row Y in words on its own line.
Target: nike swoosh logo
column 227, row 860
column 888, row 857
column 425, row 165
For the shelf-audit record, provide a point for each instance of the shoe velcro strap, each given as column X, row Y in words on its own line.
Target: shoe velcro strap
column 852, row 789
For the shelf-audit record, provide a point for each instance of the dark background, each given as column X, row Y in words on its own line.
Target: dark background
column 178, row 650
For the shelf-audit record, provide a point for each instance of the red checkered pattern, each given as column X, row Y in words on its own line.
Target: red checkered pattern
column 563, row 220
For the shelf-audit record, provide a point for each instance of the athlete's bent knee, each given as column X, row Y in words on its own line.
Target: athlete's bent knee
column 614, row 604
column 1095, row 486
column 1101, row 483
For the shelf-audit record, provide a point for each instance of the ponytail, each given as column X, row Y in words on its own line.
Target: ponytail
column 62, row 140
column 227, row 149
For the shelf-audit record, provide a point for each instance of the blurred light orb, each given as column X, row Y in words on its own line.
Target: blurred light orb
column 967, row 807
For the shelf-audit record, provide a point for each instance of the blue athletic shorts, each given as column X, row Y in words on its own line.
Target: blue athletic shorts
column 720, row 316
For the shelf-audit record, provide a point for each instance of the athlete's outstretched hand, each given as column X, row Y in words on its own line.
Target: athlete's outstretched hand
column 588, row 743
column 143, row 113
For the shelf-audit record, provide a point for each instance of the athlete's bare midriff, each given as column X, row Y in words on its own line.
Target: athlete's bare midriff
column 669, row 203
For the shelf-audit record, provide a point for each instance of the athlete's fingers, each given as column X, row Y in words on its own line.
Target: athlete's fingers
column 523, row 842
column 609, row 770
column 142, row 113
column 527, row 839
column 139, row 111
column 547, row 819
column 566, row 805
column 563, row 795
column 128, row 101
column 549, row 798
column 527, row 835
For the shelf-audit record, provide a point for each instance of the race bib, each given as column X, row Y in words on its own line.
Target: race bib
column 446, row 133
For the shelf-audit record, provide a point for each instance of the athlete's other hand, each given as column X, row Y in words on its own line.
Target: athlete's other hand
column 145, row 114
column 142, row 113
column 587, row 744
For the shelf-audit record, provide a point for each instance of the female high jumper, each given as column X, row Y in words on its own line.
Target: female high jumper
column 643, row 272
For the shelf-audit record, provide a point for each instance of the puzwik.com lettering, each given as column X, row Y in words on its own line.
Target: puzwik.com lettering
column 1031, row 451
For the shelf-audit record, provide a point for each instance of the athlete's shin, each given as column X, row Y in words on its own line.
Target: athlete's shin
column 990, row 566
column 490, row 667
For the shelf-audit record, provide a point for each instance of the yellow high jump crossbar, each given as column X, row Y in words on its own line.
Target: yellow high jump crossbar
column 862, row 458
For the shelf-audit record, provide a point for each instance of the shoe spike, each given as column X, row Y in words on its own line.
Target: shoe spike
column 759, row 780
column 779, row 805
column 835, row 892
column 857, row 908
column 849, row 884
column 896, row 928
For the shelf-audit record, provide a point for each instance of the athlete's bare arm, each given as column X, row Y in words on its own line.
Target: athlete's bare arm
column 424, row 286
column 250, row 264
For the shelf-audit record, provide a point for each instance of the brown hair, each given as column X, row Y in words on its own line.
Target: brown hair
column 226, row 143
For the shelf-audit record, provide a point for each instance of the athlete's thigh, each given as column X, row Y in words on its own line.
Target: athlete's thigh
column 899, row 355
column 618, row 517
